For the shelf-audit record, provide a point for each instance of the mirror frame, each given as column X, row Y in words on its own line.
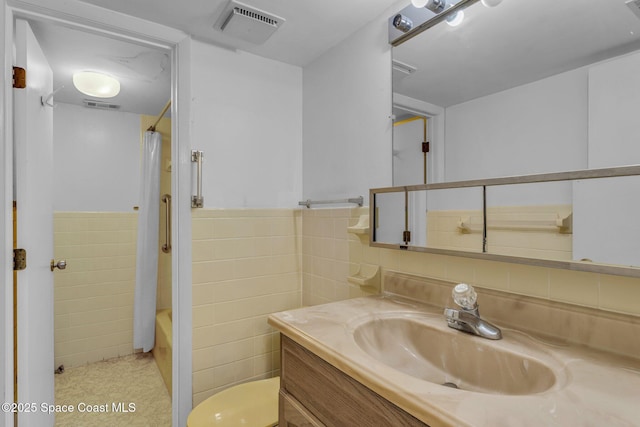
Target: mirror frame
column 585, row 266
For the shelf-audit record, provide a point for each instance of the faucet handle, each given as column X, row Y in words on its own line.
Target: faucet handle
column 465, row 296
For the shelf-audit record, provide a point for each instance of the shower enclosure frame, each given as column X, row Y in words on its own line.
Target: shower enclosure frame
column 92, row 18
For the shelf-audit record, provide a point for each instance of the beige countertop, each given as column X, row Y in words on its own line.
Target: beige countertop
column 592, row 388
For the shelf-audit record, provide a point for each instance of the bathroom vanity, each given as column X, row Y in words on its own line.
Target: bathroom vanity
column 305, row 376
column 391, row 360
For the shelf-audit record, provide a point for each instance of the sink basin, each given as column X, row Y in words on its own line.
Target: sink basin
column 425, row 349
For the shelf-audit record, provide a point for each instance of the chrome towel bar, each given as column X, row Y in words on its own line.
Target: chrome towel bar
column 356, row 200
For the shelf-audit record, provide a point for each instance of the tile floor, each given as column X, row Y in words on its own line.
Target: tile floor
column 131, row 383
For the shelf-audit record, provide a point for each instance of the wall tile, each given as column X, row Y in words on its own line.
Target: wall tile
column 94, row 295
column 248, row 265
column 574, row 287
column 621, row 294
column 527, row 280
column 309, row 258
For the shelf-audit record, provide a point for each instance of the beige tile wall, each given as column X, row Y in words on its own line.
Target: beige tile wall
column 606, row 292
column 249, row 263
column 246, row 265
column 324, row 267
column 94, row 294
column 330, row 254
column 530, row 231
column 512, row 230
column 443, row 230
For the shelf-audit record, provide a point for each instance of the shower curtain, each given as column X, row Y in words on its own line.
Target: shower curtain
column 144, row 305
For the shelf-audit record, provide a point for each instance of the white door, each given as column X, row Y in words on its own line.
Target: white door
column 33, row 139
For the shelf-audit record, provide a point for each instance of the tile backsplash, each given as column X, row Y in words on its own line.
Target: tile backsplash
column 607, row 292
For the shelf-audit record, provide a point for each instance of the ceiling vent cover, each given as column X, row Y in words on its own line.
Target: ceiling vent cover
column 90, row 103
column 248, row 23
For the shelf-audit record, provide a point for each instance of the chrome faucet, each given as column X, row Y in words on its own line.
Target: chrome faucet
column 468, row 318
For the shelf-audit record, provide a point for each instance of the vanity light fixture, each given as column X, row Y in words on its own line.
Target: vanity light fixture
column 402, row 23
column 95, row 84
column 435, row 6
column 439, row 6
column 456, row 19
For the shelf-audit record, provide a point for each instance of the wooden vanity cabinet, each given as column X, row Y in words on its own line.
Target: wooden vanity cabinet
column 313, row 393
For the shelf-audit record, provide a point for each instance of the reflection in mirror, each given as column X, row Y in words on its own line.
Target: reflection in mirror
column 531, row 220
column 417, row 208
column 439, row 218
column 455, row 219
column 606, row 220
column 525, row 87
column 389, row 218
column 410, row 150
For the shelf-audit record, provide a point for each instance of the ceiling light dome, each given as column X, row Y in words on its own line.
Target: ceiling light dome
column 96, row 84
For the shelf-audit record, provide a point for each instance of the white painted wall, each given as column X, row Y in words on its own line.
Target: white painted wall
column 347, row 109
column 614, row 102
column 408, row 159
column 606, row 227
column 390, row 223
column 605, row 220
column 247, row 118
column 534, row 128
column 96, row 159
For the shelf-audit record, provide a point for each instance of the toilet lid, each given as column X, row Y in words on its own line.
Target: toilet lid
column 252, row 404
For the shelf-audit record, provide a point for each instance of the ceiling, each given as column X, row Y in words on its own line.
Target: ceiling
column 514, row 43
column 144, row 74
column 494, row 49
column 309, row 30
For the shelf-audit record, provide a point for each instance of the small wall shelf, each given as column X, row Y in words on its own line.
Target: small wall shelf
column 361, row 228
column 368, row 276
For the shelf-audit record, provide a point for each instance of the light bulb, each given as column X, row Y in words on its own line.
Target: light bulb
column 491, row 3
column 419, row 3
column 95, row 84
column 456, row 19
column 402, row 23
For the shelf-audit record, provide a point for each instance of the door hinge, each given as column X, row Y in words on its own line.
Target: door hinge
column 19, row 78
column 425, row 147
column 19, row 259
column 406, row 236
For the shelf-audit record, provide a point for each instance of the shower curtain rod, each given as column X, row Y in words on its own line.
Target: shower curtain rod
column 152, row 128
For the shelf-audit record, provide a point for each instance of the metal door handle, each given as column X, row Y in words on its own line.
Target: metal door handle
column 197, row 201
column 62, row 264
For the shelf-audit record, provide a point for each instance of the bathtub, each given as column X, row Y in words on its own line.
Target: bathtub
column 162, row 352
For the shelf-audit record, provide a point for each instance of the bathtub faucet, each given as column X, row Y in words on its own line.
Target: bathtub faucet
column 468, row 318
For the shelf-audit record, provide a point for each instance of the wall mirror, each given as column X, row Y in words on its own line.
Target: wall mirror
column 450, row 216
column 390, row 216
column 532, row 220
column 582, row 220
column 523, row 88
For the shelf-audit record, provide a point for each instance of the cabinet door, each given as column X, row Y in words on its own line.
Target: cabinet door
column 333, row 397
column 293, row 414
